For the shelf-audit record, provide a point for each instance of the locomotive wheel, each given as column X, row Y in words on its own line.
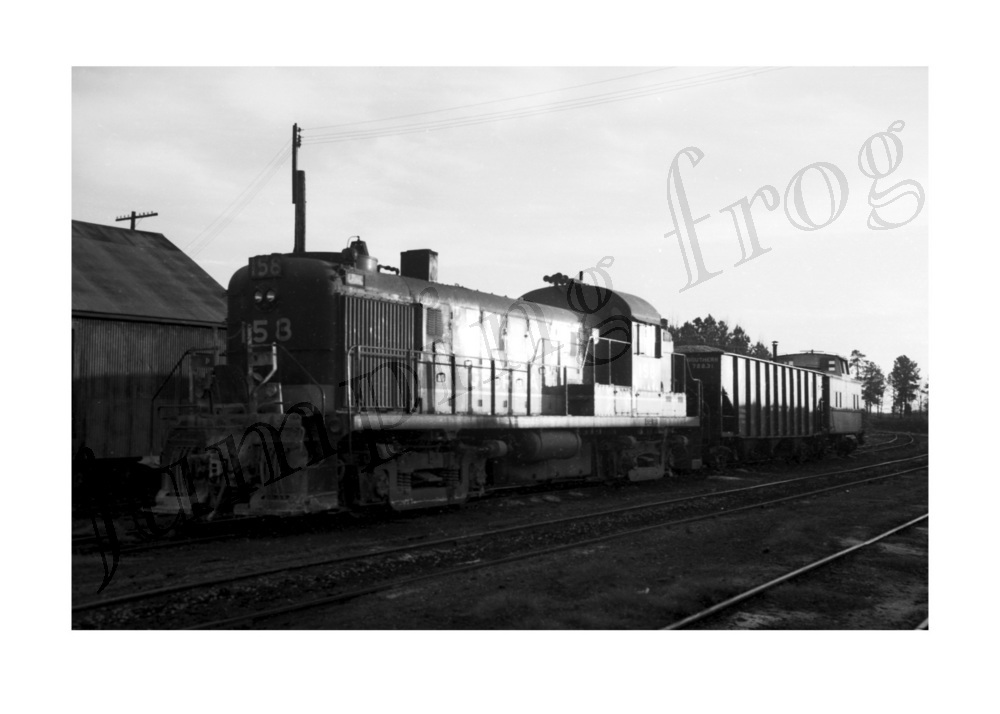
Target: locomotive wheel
column 718, row 457
column 797, row 452
column 845, row 445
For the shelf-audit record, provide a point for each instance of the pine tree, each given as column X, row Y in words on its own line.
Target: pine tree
column 739, row 342
column 760, row 350
column 905, row 379
column 857, row 361
column 872, row 385
column 716, row 333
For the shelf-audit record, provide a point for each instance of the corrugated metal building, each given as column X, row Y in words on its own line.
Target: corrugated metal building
column 138, row 304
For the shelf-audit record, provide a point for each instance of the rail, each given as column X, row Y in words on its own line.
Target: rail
column 736, row 599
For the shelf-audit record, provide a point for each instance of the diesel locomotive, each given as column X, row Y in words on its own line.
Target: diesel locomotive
column 347, row 384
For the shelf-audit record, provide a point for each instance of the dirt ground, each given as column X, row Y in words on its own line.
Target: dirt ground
column 646, row 581
column 655, row 579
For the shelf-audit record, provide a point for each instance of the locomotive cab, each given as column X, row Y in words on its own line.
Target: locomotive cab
column 628, row 356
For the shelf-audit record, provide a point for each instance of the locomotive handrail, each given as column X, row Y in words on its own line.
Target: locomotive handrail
column 322, row 392
column 427, row 357
column 152, row 400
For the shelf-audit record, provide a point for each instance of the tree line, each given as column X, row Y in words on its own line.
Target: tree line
column 903, row 384
column 716, row 333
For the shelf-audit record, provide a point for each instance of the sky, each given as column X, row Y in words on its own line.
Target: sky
column 511, row 174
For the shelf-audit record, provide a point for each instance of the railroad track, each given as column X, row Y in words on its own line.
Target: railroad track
column 896, row 440
column 897, row 436
column 136, row 540
column 243, row 527
column 882, row 442
column 730, row 603
column 462, row 553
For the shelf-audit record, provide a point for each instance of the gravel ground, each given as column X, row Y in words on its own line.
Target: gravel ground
column 658, row 578
column 625, row 583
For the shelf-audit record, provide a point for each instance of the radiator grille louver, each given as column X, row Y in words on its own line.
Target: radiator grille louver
column 382, row 334
column 435, row 325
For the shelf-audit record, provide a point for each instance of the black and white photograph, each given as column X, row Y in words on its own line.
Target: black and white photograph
column 516, row 348
column 493, row 359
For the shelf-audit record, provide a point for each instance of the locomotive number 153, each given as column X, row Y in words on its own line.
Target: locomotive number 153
column 261, row 332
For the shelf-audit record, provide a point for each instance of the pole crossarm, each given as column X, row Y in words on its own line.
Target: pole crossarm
column 133, row 216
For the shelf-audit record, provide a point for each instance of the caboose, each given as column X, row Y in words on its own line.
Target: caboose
column 845, row 415
column 347, row 384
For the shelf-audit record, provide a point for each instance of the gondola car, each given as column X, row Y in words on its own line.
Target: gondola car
column 755, row 408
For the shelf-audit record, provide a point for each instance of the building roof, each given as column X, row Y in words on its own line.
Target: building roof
column 141, row 275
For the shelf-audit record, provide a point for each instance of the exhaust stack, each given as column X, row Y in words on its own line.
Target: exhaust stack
column 421, row 264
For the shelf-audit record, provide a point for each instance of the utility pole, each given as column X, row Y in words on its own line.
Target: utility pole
column 298, row 192
column 133, row 217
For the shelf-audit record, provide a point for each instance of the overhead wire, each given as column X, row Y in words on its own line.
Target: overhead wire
column 491, row 101
column 548, row 107
column 221, row 222
column 236, row 206
column 511, row 113
column 529, row 111
column 544, row 105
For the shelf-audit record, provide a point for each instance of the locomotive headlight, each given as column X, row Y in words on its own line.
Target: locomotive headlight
column 258, row 297
column 270, row 296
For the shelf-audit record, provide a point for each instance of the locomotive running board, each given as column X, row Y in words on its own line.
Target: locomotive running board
column 385, row 421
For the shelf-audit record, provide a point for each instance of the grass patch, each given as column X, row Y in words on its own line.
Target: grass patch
column 598, row 596
column 582, row 580
column 506, row 610
column 917, row 423
column 810, row 596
